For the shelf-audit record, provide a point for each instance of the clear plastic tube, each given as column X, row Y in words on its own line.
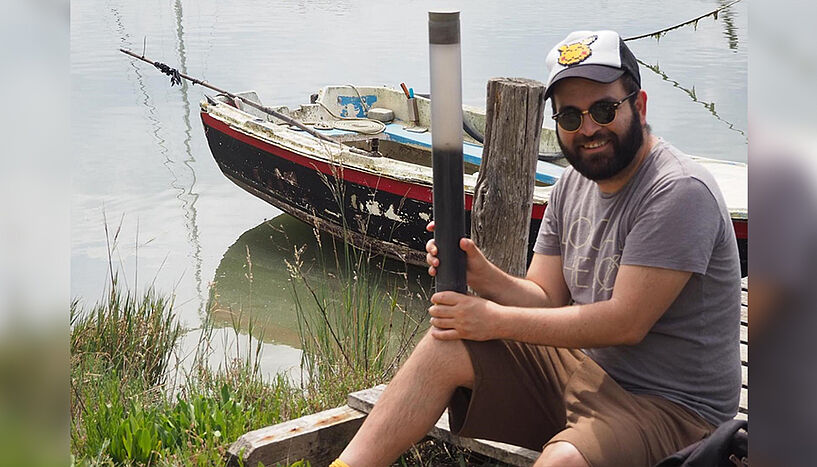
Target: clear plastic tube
column 446, row 148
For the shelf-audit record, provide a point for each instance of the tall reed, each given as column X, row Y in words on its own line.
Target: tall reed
column 134, row 335
column 354, row 332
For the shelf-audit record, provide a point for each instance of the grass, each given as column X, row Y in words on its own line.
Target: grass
column 353, row 335
column 121, row 411
column 127, row 410
column 135, row 335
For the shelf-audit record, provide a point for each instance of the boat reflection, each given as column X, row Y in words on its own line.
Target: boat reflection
column 253, row 289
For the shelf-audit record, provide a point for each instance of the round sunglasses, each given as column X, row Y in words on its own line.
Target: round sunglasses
column 602, row 112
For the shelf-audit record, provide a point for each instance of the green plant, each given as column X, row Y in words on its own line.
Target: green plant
column 135, row 335
column 353, row 335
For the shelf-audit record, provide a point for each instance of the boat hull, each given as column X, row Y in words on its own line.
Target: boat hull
column 373, row 212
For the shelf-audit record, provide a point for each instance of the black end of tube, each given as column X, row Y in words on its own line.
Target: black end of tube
column 449, row 219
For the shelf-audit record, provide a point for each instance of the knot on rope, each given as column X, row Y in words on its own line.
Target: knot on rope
column 175, row 77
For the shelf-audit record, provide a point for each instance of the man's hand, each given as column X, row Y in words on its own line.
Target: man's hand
column 458, row 316
column 477, row 266
column 544, row 287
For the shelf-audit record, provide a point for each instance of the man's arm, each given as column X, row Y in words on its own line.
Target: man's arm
column 640, row 296
column 544, row 286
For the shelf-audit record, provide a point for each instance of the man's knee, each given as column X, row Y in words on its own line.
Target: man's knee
column 561, row 453
column 446, row 358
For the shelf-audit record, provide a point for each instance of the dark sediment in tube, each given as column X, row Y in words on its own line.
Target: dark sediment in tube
column 449, row 217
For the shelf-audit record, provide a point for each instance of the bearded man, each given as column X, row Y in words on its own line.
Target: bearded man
column 621, row 345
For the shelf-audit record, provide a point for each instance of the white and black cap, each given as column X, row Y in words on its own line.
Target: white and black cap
column 595, row 55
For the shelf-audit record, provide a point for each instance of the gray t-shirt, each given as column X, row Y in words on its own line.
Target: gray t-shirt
column 671, row 214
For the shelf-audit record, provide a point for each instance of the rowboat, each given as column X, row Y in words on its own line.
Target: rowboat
column 356, row 162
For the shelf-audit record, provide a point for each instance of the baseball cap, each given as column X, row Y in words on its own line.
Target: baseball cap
column 595, row 55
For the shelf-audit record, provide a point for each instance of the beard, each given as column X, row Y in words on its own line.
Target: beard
column 602, row 166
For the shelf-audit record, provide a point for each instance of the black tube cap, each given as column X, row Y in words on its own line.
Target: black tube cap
column 443, row 27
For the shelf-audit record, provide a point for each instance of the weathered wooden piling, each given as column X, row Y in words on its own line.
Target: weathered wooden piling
column 503, row 196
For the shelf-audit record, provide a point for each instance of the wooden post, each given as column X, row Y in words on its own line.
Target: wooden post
column 503, row 196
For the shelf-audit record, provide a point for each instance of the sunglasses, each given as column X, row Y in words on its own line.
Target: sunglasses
column 602, row 112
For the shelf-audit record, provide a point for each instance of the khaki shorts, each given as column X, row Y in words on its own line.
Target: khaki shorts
column 531, row 396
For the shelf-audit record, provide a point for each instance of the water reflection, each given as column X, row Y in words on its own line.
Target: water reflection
column 710, row 106
column 729, row 29
column 184, row 181
column 252, row 284
column 182, row 173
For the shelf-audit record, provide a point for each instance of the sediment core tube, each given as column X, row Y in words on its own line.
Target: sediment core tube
column 446, row 148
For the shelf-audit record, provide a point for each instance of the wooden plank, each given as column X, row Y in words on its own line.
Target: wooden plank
column 318, row 438
column 744, row 298
column 744, row 283
column 744, row 354
column 744, row 316
column 744, row 334
column 744, row 400
column 507, row 453
column 744, row 376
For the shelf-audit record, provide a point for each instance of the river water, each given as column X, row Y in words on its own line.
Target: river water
column 142, row 167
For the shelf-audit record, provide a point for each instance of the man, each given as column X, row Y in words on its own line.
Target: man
column 621, row 344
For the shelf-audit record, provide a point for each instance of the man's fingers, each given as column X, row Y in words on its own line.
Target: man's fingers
column 430, row 226
column 445, row 298
column 440, row 311
column 432, row 271
column 442, row 323
column 468, row 246
column 445, row 334
column 431, row 247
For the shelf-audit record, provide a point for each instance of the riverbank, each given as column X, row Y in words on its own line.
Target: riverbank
column 133, row 403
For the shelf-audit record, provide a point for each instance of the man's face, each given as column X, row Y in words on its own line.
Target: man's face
column 595, row 151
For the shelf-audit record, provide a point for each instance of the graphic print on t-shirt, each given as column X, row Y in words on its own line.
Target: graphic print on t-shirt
column 591, row 259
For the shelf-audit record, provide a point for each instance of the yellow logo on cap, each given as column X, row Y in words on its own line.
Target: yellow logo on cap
column 577, row 52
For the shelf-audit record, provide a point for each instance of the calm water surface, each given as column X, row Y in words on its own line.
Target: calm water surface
column 140, row 159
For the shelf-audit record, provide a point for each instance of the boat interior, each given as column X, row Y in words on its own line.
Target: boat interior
column 360, row 117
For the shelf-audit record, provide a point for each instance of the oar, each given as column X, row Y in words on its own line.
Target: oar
column 174, row 79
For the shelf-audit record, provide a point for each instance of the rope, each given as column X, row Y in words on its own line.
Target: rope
column 362, row 102
column 658, row 34
column 381, row 126
column 175, row 76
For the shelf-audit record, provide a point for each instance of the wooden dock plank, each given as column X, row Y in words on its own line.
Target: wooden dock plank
column 507, row 453
column 318, row 438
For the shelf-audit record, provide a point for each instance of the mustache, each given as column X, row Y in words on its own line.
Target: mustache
column 595, row 137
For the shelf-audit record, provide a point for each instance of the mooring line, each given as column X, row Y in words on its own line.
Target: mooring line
column 658, row 34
